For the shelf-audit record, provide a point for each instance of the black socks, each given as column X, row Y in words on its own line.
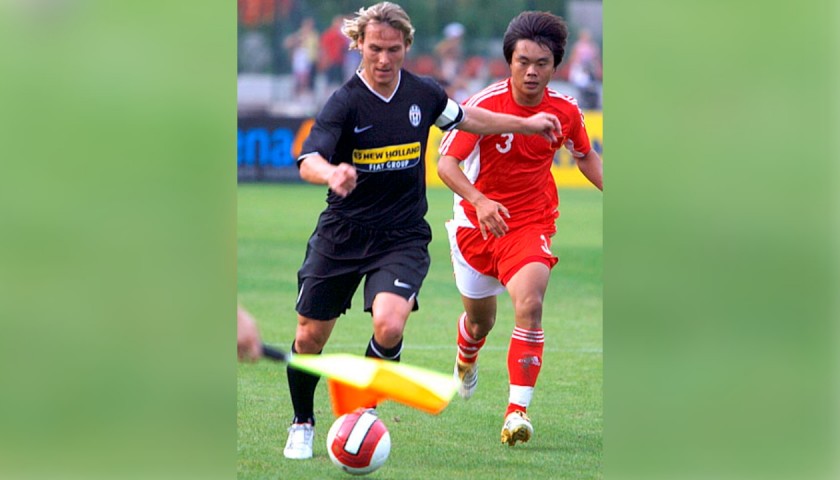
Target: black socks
column 376, row 350
column 302, row 389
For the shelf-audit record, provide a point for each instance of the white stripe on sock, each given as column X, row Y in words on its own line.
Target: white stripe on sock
column 520, row 395
column 530, row 336
column 463, row 329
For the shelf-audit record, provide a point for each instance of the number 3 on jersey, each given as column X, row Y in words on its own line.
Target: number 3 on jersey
column 504, row 148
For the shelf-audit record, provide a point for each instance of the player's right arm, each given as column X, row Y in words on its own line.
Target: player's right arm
column 491, row 214
column 321, row 144
column 340, row 178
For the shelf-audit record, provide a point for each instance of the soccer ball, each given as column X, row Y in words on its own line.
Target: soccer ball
column 358, row 442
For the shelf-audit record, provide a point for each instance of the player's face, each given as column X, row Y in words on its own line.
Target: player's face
column 531, row 68
column 383, row 52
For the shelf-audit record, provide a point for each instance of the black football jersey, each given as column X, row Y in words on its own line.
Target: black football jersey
column 385, row 139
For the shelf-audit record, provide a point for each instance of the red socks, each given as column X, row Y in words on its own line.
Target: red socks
column 524, row 363
column 468, row 347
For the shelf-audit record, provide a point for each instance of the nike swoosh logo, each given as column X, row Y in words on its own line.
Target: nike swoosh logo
column 360, row 130
column 398, row 283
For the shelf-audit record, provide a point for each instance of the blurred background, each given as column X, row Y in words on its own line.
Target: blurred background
column 292, row 56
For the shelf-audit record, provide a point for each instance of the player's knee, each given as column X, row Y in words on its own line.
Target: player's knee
column 529, row 308
column 388, row 333
column 307, row 345
column 479, row 326
column 310, row 340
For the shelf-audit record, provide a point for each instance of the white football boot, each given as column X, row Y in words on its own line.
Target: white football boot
column 467, row 376
column 299, row 443
column 517, row 428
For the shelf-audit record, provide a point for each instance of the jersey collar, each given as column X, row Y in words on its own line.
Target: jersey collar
column 384, row 99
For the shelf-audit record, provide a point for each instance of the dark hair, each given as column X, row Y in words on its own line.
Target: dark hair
column 544, row 28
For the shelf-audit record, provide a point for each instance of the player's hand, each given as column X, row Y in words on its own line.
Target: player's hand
column 491, row 217
column 545, row 125
column 248, row 345
column 342, row 180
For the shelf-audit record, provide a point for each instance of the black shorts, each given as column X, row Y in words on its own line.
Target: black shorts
column 340, row 253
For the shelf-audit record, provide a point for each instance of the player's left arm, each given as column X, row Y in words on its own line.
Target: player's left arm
column 591, row 166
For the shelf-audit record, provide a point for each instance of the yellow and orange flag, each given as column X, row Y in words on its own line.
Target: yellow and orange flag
column 356, row 381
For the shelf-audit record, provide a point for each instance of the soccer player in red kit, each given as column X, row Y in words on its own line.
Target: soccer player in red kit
column 505, row 209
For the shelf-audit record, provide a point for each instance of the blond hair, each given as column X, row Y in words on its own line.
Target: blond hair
column 383, row 12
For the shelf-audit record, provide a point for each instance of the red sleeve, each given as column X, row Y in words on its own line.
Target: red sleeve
column 578, row 141
column 458, row 144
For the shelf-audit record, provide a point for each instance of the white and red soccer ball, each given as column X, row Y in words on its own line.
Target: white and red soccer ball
column 358, row 442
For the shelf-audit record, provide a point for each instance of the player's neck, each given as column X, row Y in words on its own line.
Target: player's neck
column 527, row 100
column 383, row 90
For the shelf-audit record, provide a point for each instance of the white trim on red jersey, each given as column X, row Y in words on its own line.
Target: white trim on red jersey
column 514, row 169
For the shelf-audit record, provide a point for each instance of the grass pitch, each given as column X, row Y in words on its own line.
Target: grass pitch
column 274, row 223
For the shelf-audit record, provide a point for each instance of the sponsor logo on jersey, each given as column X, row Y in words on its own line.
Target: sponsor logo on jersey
column 393, row 157
column 414, row 115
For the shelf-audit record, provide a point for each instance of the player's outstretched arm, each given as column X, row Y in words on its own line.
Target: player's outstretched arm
column 484, row 122
column 591, row 166
column 340, row 178
column 491, row 214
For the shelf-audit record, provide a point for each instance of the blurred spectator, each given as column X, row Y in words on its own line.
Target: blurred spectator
column 585, row 69
column 474, row 76
column 303, row 45
column 352, row 57
column 450, row 52
column 474, row 67
column 497, row 69
column 333, row 47
column 423, row 65
column 254, row 44
column 254, row 52
column 352, row 60
column 253, row 13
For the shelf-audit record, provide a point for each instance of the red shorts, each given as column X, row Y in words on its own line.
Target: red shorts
column 483, row 267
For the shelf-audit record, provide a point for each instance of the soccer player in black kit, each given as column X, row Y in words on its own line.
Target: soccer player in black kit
column 368, row 145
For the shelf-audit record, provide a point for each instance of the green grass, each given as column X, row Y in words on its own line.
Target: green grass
column 274, row 223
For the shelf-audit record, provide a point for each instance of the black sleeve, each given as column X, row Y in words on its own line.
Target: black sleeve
column 439, row 94
column 326, row 132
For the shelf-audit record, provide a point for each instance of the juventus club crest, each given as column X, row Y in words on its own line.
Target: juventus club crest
column 414, row 115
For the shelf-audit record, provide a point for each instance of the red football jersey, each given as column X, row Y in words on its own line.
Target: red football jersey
column 515, row 169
